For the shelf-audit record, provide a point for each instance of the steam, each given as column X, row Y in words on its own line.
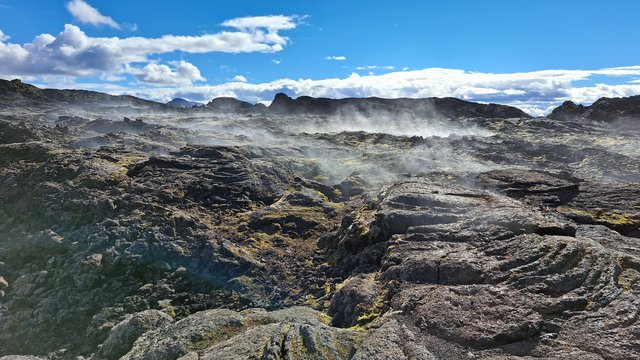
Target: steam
column 403, row 123
column 380, row 145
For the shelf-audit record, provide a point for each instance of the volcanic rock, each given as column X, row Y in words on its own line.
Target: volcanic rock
column 448, row 107
column 604, row 109
column 182, row 103
column 314, row 230
column 228, row 104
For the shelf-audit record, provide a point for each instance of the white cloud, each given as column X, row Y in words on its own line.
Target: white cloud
column 337, row 58
column 74, row 53
column 272, row 23
column 87, row 14
column 3, row 37
column 535, row 92
column 373, row 67
column 239, row 78
column 277, row 62
column 183, row 73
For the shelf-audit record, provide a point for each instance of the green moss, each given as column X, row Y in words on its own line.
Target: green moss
column 359, row 328
column 607, row 141
column 327, row 288
column 602, row 216
column 620, row 219
column 377, row 309
column 324, row 318
column 627, row 278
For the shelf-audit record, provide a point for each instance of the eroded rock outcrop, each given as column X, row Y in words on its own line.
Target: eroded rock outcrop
column 487, row 273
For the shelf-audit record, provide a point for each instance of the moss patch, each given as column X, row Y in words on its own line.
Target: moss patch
column 600, row 216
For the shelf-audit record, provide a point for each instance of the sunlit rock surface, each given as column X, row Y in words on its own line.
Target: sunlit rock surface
column 314, row 229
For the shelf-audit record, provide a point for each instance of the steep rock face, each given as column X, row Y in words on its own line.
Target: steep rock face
column 604, row 109
column 431, row 107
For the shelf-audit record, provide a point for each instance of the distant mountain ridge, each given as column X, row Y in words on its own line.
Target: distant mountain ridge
column 449, row 107
column 16, row 90
column 16, row 93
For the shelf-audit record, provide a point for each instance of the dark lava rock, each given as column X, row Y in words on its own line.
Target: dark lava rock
column 125, row 333
column 294, row 333
column 448, row 107
column 205, row 234
column 604, row 109
column 182, row 103
column 16, row 90
column 481, row 271
column 231, row 105
column 357, row 301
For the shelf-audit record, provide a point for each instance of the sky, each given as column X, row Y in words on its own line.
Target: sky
column 529, row 54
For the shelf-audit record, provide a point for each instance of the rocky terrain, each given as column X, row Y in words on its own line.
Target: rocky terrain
column 316, row 229
column 604, row 110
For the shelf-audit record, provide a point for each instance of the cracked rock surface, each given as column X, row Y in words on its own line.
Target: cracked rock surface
column 304, row 231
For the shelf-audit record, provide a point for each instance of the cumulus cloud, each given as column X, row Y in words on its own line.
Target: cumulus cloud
column 239, row 78
column 87, row 14
column 535, row 92
column 183, row 73
column 337, row 58
column 74, row 53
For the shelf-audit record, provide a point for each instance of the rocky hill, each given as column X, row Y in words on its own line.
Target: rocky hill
column 182, row 103
column 17, row 91
column 475, row 233
column 604, row 110
column 228, row 104
column 449, row 107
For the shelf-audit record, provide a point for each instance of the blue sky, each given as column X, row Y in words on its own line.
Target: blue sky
column 525, row 53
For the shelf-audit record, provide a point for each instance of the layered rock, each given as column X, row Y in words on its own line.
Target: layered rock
column 487, row 274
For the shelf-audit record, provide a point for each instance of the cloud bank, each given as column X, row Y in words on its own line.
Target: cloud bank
column 73, row 53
